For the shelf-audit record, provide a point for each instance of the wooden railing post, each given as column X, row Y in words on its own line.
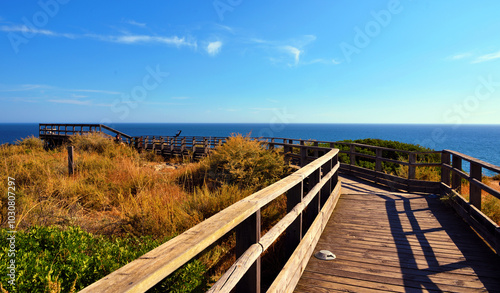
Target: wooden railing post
column 303, row 154
column 378, row 162
column 335, row 178
column 313, row 207
column 294, row 231
column 183, row 145
column 475, row 191
column 247, row 234
column 71, row 165
column 445, row 172
column 456, row 180
column 205, row 145
column 352, row 154
column 327, row 188
column 271, row 144
column 411, row 167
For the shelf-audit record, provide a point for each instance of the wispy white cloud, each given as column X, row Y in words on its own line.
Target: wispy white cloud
column 31, row 30
column 72, row 102
column 459, row 56
column 93, row 91
column 295, row 52
column 123, row 39
column 78, row 102
column 135, row 23
column 283, row 50
column 133, row 39
column 487, row 57
column 78, row 96
column 23, row 87
column 213, row 48
column 322, row 61
column 225, row 28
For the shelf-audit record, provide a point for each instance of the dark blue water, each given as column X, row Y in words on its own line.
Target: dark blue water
column 479, row 141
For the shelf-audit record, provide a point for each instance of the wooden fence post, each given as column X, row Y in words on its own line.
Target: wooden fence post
column 247, row 234
column 303, row 154
column 183, row 145
column 327, row 188
column 475, row 191
column 352, row 154
column 312, row 209
column 294, row 231
column 445, row 172
column 378, row 162
column 71, row 164
column 206, row 145
column 456, row 180
column 411, row 168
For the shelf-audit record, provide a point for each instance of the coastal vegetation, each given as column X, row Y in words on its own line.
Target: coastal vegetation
column 121, row 203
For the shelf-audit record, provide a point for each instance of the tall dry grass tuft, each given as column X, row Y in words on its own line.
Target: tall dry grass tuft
column 246, row 163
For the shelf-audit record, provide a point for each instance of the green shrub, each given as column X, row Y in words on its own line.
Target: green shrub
column 50, row 259
column 246, row 163
column 388, row 167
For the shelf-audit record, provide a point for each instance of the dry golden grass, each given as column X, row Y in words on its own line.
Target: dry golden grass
column 115, row 190
column 490, row 205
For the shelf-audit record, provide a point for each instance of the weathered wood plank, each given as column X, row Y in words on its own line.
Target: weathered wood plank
column 398, row 242
column 288, row 277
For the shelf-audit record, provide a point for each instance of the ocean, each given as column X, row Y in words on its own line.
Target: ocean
column 479, row 141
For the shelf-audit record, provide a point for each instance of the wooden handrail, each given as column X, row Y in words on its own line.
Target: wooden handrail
column 151, row 268
column 470, row 210
column 229, row 280
column 116, row 131
column 301, row 152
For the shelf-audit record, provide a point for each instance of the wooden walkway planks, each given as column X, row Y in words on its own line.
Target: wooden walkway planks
column 398, row 242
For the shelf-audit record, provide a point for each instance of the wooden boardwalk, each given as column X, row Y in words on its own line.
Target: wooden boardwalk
column 398, row 242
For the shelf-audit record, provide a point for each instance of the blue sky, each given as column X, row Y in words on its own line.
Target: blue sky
column 288, row 61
